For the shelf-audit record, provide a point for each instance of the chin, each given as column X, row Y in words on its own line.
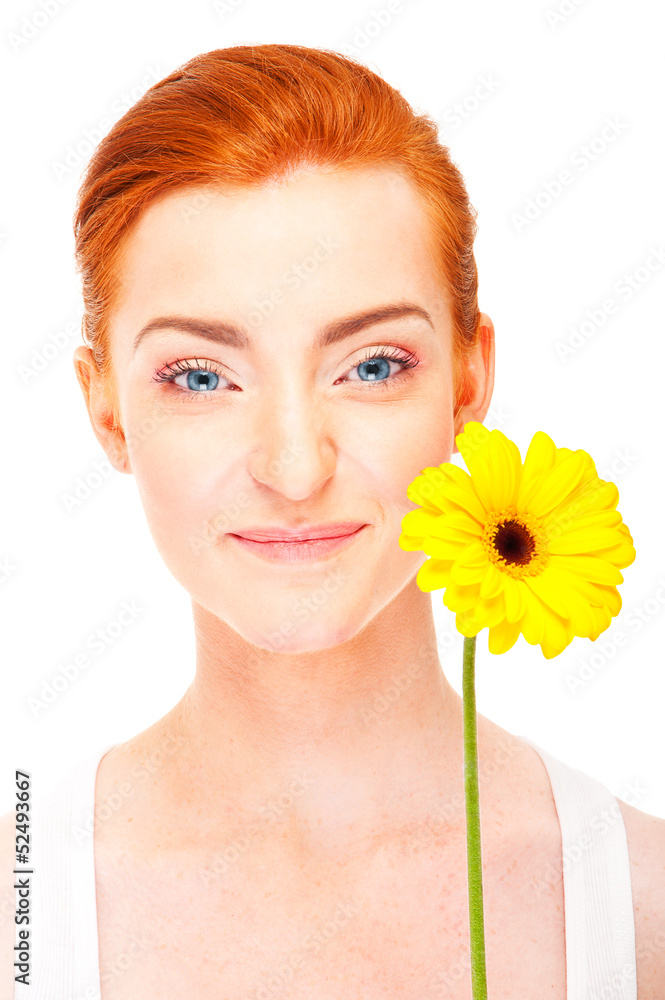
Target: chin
column 286, row 633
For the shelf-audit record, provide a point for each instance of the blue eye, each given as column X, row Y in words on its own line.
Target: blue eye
column 199, row 380
column 374, row 368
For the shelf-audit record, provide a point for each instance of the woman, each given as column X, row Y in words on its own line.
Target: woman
column 281, row 307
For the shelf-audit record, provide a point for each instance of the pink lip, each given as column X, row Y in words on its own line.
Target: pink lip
column 295, row 549
column 301, row 534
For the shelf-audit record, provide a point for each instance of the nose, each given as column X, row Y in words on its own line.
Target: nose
column 296, row 454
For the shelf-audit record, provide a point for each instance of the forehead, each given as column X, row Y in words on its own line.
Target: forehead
column 314, row 247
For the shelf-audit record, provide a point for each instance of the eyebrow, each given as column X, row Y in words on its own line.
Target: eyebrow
column 232, row 336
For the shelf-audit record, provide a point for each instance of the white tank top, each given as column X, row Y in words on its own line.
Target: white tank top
column 598, row 904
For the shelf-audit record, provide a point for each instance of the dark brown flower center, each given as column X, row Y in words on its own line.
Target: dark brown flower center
column 514, row 543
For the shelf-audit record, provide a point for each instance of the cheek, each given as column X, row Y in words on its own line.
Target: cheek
column 181, row 487
column 400, row 447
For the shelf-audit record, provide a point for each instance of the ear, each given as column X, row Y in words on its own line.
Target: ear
column 481, row 376
column 96, row 394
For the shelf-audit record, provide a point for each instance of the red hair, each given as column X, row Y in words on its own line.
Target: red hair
column 254, row 114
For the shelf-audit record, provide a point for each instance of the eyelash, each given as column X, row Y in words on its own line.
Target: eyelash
column 171, row 371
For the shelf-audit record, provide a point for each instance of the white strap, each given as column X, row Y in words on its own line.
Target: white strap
column 598, row 899
column 64, row 941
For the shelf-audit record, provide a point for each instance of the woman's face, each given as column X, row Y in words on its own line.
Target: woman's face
column 273, row 416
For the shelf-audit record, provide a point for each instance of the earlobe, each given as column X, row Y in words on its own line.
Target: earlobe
column 107, row 430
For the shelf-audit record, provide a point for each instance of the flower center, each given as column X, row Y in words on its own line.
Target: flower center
column 515, row 543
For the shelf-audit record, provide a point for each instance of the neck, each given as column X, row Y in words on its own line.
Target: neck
column 356, row 736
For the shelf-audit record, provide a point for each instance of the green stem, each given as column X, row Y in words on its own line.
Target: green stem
column 474, row 860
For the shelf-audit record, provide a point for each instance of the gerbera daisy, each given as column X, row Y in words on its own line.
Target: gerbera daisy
column 533, row 548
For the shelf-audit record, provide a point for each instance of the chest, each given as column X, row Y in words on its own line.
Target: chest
column 232, row 924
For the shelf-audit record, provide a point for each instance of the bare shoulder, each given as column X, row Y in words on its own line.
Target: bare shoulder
column 7, row 904
column 645, row 835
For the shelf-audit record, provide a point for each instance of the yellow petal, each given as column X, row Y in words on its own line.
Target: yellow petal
column 471, row 564
column 505, row 468
column 460, row 489
column 532, row 624
column 490, row 612
column 582, row 618
column 433, row 575
column 472, row 438
column 586, row 540
column 591, row 494
column 408, row 543
column 558, row 634
column 459, row 528
column 585, row 588
column 610, row 598
column 441, row 548
column 503, row 636
column 460, row 598
column 558, row 484
column 446, row 488
column 577, row 522
column 591, row 568
column 449, row 533
column 419, row 523
column 427, row 489
column 545, row 586
column 468, row 624
column 570, row 602
column 466, row 574
column 493, row 582
column 471, row 444
column 494, row 463
column 540, row 458
column 602, row 620
column 621, row 554
column 474, row 554
column 513, row 593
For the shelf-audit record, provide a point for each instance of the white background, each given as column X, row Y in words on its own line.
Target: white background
column 551, row 84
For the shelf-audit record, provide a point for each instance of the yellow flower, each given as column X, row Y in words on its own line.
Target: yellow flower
column 533, row 548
